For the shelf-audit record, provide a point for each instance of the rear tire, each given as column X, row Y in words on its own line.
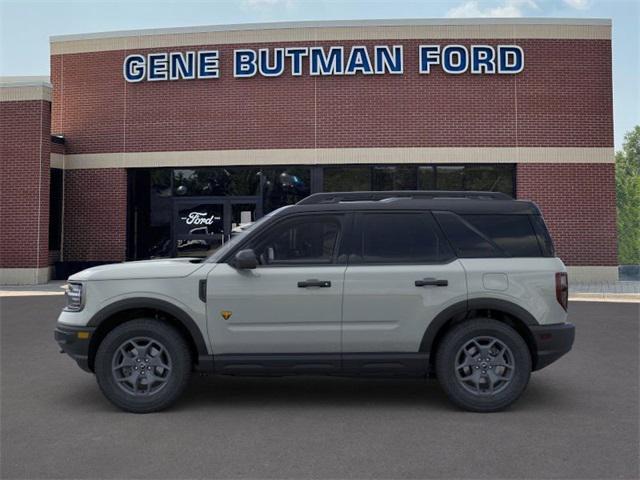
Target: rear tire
column 143, row 366
column 483, row 365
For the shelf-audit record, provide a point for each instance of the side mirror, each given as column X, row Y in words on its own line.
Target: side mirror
column 245, row 260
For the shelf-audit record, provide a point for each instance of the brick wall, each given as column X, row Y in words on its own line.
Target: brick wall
column 562, row 98
column 57, row 148
column 24, row 183
column 578, row 202
column 95, row 215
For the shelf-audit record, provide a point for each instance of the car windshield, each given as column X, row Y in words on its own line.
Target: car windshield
column 241, row 235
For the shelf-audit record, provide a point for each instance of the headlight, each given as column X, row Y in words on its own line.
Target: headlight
column 75, row 298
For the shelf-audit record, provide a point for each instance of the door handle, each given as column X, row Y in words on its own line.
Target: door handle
column 314, row 283
column 425, row 282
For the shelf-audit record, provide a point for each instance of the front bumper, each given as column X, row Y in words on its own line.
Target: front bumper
column 552, row 342
column 74, row 341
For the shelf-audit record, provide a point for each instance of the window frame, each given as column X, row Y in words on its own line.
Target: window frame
column 357, row 230
column 339, row 257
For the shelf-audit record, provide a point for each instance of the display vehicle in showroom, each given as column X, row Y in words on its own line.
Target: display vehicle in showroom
column 463, row 286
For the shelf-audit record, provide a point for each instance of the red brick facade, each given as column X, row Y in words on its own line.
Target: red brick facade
column 562, row 98
column 95, row 215
column 578, row 202
column 24, row 183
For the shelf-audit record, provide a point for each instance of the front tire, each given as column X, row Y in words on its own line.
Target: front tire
column 143, row 366
column 483, row 365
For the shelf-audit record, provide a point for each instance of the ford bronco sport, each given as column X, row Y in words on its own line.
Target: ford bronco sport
column 463, row 286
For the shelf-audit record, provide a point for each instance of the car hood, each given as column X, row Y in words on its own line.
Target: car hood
column 161, row 268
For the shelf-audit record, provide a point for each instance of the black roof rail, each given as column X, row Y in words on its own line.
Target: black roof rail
column 335, row 197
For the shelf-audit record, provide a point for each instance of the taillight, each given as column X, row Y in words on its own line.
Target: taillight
column 562, row 289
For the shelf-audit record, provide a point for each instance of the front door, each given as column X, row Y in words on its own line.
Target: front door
column 289, row 308
column 201, row 225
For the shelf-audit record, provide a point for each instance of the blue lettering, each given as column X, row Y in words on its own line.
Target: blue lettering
column 296, row 55
column 331, row 64
column 133, row 68
column 359, row 61
column 429, row 55
column 208, row 64
column 158, row 67
column 388, row 62
column 483, row 59
column 277, row 68
column 455, row 59
column 510, row 59
column 244, row 63
column 181, row 67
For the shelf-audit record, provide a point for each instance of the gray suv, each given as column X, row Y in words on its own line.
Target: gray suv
column 463, row 286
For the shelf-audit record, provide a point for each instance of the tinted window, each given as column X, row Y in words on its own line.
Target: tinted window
column 512, row 233
column 450, row 178
column 467, row 241
column 426, row 178
column 347, row 179
column 284, row 186
column 393, row 177
column 55, row 209
column 544, row 239
column 492, row 178
column 400, row 238
column 303, row 240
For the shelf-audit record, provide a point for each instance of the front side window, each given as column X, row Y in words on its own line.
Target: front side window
column 305, row 240
column 399, row 238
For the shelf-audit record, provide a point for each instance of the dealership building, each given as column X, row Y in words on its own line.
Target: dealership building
column 157, row 143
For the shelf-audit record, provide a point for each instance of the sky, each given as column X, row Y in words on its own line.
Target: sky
column 25, row 26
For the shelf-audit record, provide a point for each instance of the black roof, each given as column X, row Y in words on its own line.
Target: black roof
column 458, row 202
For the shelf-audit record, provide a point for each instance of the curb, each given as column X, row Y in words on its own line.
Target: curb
column 605, row 297
column 27, row 293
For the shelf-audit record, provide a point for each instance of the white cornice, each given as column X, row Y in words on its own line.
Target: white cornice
column 337, row 156
column 487, row 28
column 17, row 89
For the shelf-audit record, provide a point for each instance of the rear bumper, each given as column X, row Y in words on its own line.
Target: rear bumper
column 552, row 342
column 73, row 345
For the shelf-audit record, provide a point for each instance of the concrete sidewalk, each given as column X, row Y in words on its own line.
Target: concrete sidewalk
column 605, row 291
column 586, row 292
column 55, row 287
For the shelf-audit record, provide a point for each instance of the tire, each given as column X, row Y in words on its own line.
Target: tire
column 143, row 365
column 473, row 383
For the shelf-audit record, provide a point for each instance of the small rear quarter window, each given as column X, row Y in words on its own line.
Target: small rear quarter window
column 514, row 234
column 467, row 241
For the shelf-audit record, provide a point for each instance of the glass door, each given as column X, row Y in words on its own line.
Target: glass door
column 201, row 226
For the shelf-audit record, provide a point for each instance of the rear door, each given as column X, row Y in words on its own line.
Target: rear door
column 401, row 274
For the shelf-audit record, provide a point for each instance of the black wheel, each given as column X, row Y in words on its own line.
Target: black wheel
column 143, row 366
column 483, row 365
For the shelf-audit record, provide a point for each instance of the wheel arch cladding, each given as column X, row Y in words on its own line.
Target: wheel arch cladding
column 124, row 310
column 511, row 314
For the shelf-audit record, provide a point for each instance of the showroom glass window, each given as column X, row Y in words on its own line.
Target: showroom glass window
column 351, row 178
column 152, row 192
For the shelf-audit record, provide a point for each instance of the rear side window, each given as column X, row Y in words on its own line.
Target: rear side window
column 514, row 234
column 481, row 236
column 467, row 241
column 399, row 238
column 544, row 239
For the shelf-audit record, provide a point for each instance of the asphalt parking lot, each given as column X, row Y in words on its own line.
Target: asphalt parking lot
column 578, row 418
